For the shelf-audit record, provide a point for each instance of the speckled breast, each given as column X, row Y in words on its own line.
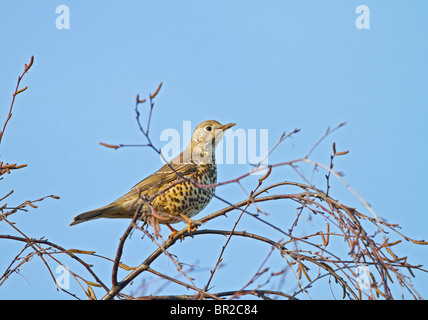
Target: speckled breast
column 185, row 197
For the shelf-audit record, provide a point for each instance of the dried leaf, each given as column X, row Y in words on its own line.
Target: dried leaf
column 341, row 153
column 19, row 91
column 125, row 267
column 109, row 145
column 423, row 242
column 266, row 175
column 156, row 92
column 91, row 293
column 93, row 284
column 80, row 251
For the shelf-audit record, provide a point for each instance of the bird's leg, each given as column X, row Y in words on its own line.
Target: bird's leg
column 155, row 225
column 172, row 230
column 190, row 222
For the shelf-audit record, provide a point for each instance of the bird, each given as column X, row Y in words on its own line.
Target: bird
column 176, row 192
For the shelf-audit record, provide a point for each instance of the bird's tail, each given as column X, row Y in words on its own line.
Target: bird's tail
column 91, row 215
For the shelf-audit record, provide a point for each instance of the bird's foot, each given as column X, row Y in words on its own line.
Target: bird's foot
column 192, row 225
column 174, row 232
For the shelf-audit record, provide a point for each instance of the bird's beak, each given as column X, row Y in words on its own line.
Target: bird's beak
column 228, row 126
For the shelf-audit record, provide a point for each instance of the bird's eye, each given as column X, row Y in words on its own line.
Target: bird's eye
column 208, row 128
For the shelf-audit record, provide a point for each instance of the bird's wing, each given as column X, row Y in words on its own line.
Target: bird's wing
column 162, row 177
column 165, row 175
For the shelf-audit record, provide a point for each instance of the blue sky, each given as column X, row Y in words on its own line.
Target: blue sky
column 275, row 65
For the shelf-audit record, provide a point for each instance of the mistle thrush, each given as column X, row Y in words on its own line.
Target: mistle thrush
column 172, row 194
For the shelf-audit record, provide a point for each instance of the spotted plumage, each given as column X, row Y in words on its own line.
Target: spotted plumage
column 167, row 195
